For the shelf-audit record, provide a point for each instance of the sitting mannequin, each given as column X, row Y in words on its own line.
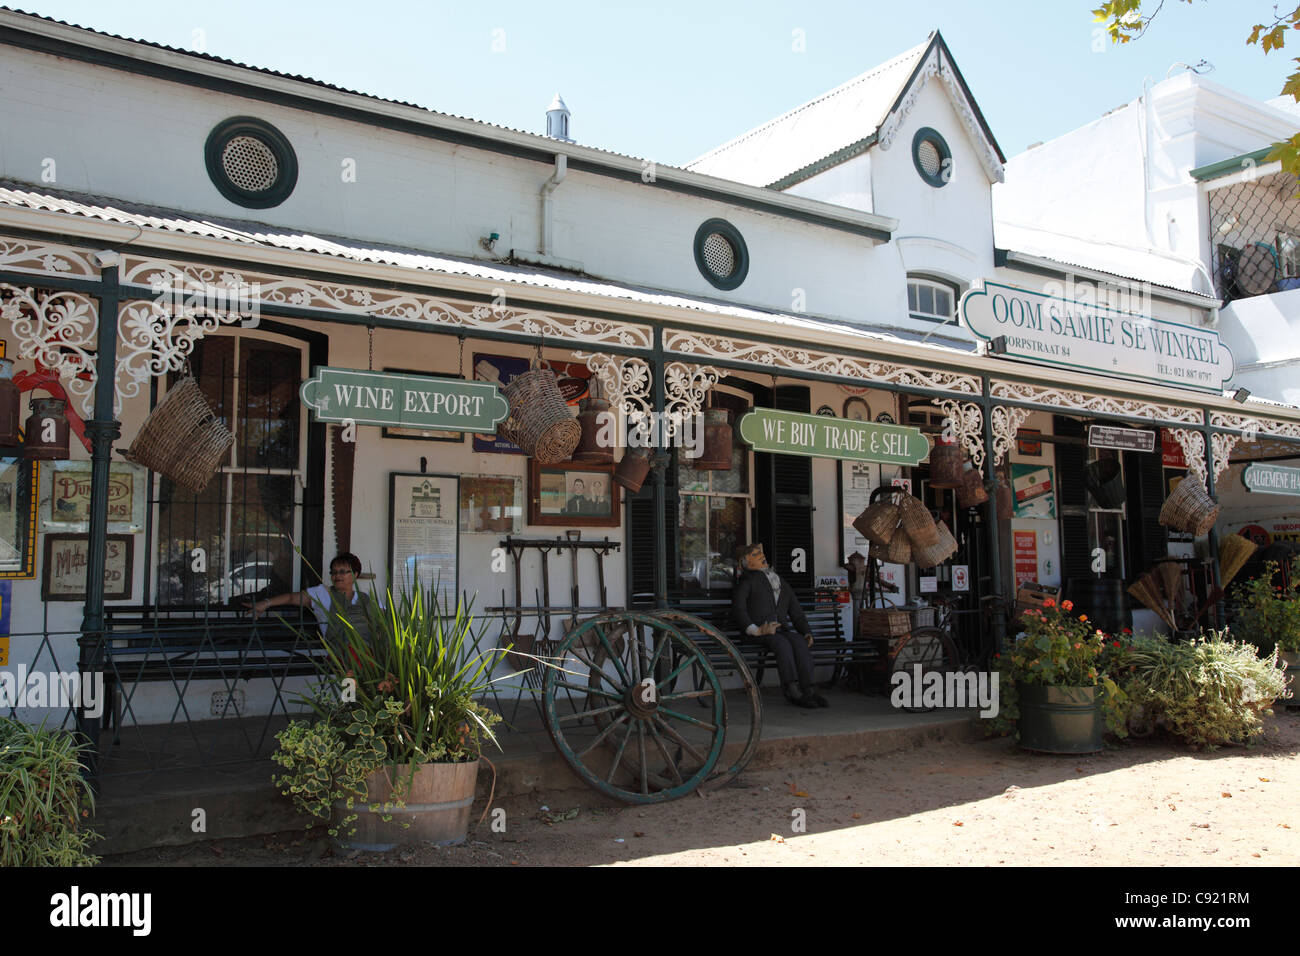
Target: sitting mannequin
column 765, row 608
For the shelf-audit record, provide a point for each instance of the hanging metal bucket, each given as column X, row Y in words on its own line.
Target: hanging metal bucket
column 717, row 441
column 590, row 449
column 47, row 430
column 10, row 404
column 631, row 471
column 945, row 466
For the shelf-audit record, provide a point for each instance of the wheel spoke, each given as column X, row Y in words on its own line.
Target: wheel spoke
column 593, row 668
column 588, row 689
column 690, row 720
column 581, row 714
column 609, row 649
column 679, row 739
column 602, row 735
column 688, row 694
column 640, row 746
column 672, row 764
column 618, row 756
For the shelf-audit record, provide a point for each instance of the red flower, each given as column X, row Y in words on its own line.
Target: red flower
column 1116, row 643
column 1049, row 603
column 1068, row 605
column 1083, row 617
column 1128, row 630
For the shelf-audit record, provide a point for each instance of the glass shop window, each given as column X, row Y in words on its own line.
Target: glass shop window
column 713, row 509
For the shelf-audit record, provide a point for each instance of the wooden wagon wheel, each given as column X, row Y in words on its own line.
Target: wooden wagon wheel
column 699, row 630
column 929, row 647
column 640, row 745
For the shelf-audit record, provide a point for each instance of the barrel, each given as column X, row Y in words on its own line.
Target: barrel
column 438, row 801
column 1103, row 600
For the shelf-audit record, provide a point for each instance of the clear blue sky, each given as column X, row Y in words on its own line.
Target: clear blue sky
column 668, row 80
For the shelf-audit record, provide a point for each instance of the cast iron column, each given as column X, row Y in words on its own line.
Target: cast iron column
column 991, row 517
column 659, row 461
column 102, row 430
column 1215, row 579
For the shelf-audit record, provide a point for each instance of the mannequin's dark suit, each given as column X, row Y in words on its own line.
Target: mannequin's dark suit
column 753, row 602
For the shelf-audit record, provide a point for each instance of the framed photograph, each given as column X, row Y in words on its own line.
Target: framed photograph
column 66, row 557
column 422, row 434
column 423, row 533
column 65, row 497
column 572, row 495
column 19, row 479
column 856, row 409
column 491, row 503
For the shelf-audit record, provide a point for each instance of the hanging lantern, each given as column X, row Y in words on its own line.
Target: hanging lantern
column 631, row 471
column 10, row 403
column 717, row 441
column 590, row 449
column 47, row 430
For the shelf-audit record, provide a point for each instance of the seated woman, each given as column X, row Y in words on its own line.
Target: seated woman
column 341, row 601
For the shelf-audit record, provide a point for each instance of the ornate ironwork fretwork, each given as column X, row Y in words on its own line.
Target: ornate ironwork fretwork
column 772, row 358
column 624, row 382
column 968, row 426
column 1104, row 404
column 1193, row 445
column 1006, row 422
column 685, row 389
column 58, row 330
column 21, row 255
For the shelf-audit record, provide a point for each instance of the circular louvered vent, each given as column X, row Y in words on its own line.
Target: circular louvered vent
column 720, row 254
column 932, row 157
column 251, row 163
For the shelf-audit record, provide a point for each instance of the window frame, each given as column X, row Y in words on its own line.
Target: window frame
column 932, row 283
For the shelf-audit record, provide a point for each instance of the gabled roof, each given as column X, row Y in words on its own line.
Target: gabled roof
column 846, row 121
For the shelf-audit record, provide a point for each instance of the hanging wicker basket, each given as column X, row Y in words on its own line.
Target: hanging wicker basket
column 879, row 522
column 945, row 465
column 946, row 547
column 917, row 523
column 898, row 551
column 182, row 439
column 540, row 422
column 971, row 494
column 1190, row 508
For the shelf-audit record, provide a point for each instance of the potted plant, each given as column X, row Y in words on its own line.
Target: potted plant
column 43, row 798
column 1059, row 683
column 397, row 722
column 1268, row 614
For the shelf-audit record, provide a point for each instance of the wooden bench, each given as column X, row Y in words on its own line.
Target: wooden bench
column 831, row 647
column 184, row 644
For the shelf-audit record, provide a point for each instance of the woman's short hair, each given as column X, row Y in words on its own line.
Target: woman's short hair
column 350, row 559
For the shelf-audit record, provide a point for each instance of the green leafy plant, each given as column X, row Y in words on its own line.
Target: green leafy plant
column 1209, row 691
column 404, row 694
column 1268, row 615
column 43, row 799
column 1058, row 649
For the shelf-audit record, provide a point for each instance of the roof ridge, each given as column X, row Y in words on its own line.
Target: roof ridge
column 915, row 51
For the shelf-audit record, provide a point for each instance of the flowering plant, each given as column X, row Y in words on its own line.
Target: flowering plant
column 1268, row 615
column 1058, row 648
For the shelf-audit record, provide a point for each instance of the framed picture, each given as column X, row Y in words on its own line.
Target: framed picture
column 856, row 409
column 66, row 557
column 491, row 503
column 65, row 497
column 19, row 479
column 572, row 495
column 1029, row 441
column 422, row 434
column 423, row 533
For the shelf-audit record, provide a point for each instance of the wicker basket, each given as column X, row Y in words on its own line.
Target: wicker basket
column 917, row 523
column 182, row 439
column 1190, row 508
column 971, row 494
column 883, row 622
column 898, row 551
column 539, row 422
column 928, row 557
column 945, row 465
column 879, row 522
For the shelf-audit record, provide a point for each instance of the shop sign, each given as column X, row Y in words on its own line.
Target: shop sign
column 1271, row 479
column 406, row 401
column 1054, row 330
column 1171, row 452
column 1125, row 439
column 961, row 577
column 815, row 436
column 1025, row 547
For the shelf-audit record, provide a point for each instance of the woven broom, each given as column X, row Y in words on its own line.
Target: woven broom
column 1234, row 552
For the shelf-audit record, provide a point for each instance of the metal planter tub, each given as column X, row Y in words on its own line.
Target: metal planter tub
column 1060, row 720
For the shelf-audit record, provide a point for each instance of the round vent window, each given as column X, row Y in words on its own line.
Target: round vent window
column 932, row 156
column 720, row 254
column 251, row 163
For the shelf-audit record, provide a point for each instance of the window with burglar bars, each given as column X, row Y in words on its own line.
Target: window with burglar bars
column 234, row 541
column 1255, row 236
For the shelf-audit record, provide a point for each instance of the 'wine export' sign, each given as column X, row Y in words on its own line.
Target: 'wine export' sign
column 409, row 401
column 1081, row 335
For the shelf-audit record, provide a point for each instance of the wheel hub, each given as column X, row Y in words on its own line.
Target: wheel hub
column 642, row 699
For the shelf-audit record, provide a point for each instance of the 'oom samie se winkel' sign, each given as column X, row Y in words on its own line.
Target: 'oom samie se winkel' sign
column 1053, row 330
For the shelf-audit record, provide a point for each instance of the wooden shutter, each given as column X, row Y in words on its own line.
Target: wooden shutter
column 1149, row 541
column 792, row 505
column 641, row 534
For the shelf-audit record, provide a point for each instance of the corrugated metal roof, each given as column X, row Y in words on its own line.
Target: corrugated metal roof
column 250, row 233
column 846, row 115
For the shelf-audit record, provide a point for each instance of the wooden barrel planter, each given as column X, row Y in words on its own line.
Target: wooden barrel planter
column 1060, row 720
column 438, row 801
column 1103, row 600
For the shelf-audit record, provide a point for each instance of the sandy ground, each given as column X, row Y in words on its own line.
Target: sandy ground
column 1149, row 803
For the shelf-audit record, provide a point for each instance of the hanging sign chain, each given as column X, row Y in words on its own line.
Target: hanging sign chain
column 370, row 365
column 460, row 359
